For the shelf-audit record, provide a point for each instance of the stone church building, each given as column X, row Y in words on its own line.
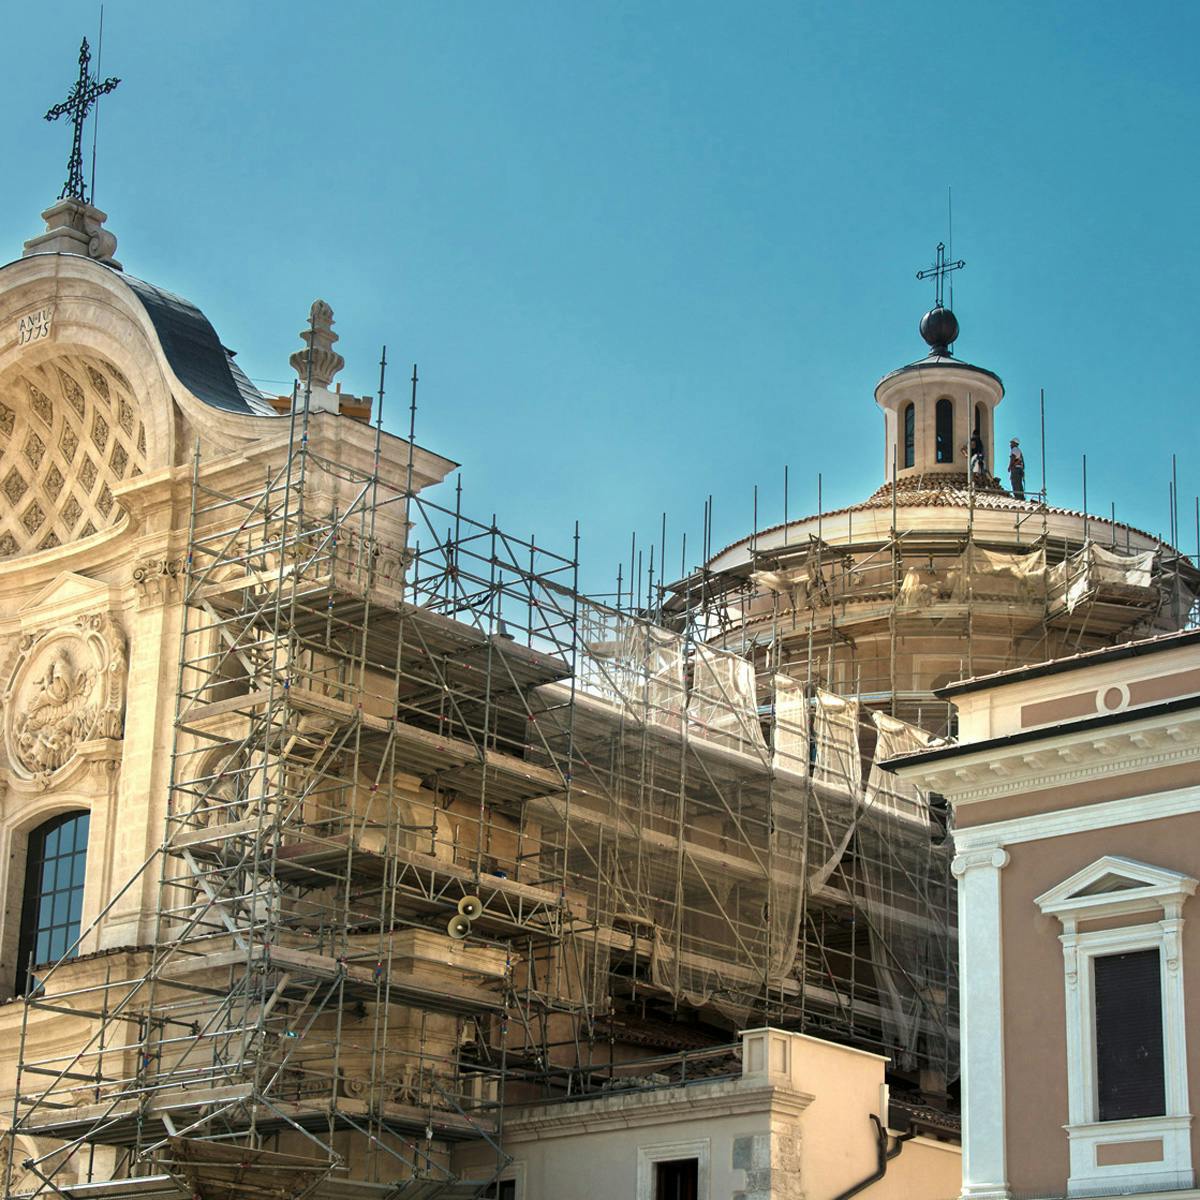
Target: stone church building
column 350, row 851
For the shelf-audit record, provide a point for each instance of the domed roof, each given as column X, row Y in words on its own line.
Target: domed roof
column 939, row 327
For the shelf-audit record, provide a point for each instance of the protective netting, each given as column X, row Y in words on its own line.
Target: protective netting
column 708, row 801
column 903, row 876
column 722, row 704
column 838, row 762
column 790, row 743
column 980, row 574
column 1094, row 569
column 682, row 833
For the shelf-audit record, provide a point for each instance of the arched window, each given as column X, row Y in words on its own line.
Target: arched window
column 944, row 431
column 53, row 903
column 979, row 421
column 910, row 431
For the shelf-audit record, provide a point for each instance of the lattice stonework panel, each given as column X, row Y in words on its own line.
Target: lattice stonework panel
column 70, row 431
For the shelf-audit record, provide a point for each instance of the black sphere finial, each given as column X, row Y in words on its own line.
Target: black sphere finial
column 939, row 327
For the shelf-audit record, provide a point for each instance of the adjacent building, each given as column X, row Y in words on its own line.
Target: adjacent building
column 1075, row 788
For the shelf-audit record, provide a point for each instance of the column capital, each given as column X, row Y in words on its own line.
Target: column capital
column 995, row 857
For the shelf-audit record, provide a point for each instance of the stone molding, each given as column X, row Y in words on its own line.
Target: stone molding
column 998, row 772
column 636, row 1110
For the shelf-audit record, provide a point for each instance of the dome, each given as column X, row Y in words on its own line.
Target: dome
column 939, row 327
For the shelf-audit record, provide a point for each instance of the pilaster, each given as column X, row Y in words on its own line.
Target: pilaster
column 981, row 1022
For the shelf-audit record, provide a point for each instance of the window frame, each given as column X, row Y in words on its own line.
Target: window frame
column 649, row 1156
column 33, row 895
column 1135, row 889
column 908, row 434
column 945, row 404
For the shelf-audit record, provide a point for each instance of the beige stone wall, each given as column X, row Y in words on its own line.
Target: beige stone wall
column 796, row 1126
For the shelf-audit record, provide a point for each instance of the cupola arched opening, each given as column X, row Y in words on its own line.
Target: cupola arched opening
column 944, row 431
column 910, row 434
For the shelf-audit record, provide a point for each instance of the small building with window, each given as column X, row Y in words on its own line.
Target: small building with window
column 1075, row 787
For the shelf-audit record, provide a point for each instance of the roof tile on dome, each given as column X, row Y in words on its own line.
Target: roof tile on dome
column 939, row 491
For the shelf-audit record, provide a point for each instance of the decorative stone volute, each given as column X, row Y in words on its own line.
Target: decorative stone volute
column 73, row 227
column 318, row 340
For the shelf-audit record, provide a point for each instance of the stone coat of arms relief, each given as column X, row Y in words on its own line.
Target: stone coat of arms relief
column 65, row 690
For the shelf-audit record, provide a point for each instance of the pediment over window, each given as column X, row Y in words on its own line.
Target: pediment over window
column 1114, row 885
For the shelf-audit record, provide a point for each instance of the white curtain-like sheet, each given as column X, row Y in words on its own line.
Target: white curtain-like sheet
column 722, row 705
column 835, row 731
column 790, row 743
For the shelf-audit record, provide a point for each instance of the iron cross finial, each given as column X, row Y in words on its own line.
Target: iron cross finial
column 83, row 95
column 940, row 269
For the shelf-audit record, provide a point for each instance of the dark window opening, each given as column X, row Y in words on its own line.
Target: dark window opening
column 1130, row 1079
column 944, row 430
column 910, row 432
column 53, row 901
column 677, row 1179
column 504, row 1189
column 979, row 420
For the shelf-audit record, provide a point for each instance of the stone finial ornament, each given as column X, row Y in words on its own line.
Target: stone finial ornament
column 73, row 227
column 318, row 341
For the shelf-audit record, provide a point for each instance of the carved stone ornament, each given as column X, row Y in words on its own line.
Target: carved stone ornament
column 66, row 688
column 158, row 579
column 318, row 359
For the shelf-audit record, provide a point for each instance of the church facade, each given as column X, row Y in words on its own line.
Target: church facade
column 349, row 850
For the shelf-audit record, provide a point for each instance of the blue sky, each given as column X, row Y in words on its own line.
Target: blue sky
column 648, row 252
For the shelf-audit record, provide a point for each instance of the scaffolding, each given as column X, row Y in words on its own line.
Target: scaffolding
column 443, row 835
column 893, row 611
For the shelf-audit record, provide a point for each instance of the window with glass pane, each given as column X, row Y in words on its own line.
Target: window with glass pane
column 53, row 904
column 944, row 430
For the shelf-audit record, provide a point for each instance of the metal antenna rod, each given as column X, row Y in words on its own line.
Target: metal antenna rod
column 1043, row 412
column 950, row 235
column 785, row 504
column 1174, row 503
column 1085, row 507
column 96, row 110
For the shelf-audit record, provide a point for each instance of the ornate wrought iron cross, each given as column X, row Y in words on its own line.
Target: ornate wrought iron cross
column 83, row 95
column 940, row 269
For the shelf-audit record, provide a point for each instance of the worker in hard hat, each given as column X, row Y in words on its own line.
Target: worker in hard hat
column 1016, row 469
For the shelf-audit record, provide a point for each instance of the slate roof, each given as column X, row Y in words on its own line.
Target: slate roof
column 204, row 366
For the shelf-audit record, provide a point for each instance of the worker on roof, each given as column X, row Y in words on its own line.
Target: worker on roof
column 978, row 460
column 1016, row 469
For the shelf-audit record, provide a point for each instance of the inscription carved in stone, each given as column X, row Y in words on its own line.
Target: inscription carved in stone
column 33, row 326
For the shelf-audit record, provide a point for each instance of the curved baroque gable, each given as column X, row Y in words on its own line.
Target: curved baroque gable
column 70, row 431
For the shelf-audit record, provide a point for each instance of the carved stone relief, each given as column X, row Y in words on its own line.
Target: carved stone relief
column 66, row 688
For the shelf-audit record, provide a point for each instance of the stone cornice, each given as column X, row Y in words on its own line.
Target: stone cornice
column 1062, row 758
column 635, row 1110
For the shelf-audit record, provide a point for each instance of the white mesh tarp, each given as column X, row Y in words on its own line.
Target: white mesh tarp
column 895, row 855
column 991, row 574
column 637, row 666
column 835, row 732
column 1093, row 567
column 886, row 791
column 722, row 704
column 790, row 742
